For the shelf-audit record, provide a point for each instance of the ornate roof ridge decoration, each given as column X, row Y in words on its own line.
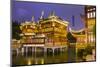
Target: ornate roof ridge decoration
column 28, row 23
column 53, row 17
column 76, row 31
column 42, row 14
column 32, row 22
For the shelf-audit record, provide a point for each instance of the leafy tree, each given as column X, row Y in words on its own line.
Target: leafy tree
column 88, row 49
column 71, row 38
column 16, row 30
column 80, row 53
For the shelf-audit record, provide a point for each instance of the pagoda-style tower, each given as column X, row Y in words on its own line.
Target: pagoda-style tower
column 55, row 30
column 47, row 33
column 30, row 39
column 28, row 31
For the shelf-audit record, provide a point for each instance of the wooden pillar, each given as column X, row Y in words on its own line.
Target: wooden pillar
column 60, row 49
column 32, row 50
column 17, row 51
column 35, row 50
column 22, row 51
column 53, row 49
column 26, row 50
column 45, row 51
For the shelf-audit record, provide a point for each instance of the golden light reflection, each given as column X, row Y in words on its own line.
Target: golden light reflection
column 29, row 62
column 42, row 61
column 36, row 62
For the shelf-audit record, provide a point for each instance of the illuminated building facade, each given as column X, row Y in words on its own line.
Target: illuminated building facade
column 81, row 39
column 48, row 33
column 55, row 30
column 15, row 46
column 30, row 39
column 90, row 17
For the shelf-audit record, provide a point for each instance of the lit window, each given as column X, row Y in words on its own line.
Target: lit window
column 88, row 9
column 93, row 8
column 88, row 15
column 91, row 15
column 94, row 14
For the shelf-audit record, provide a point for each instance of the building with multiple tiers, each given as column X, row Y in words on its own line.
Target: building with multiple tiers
column 47, row 34
column 55, row 30
column 30, row 39
column 51, row 32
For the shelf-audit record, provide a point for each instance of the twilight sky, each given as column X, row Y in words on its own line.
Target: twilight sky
column 22, row 10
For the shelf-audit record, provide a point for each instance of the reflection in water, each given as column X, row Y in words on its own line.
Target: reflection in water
column 69, row 55
column 29, row 61
column 42, row 61
column 33, row 60
column 36, row 62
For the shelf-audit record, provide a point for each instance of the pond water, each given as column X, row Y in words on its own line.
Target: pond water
column 39, row 58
